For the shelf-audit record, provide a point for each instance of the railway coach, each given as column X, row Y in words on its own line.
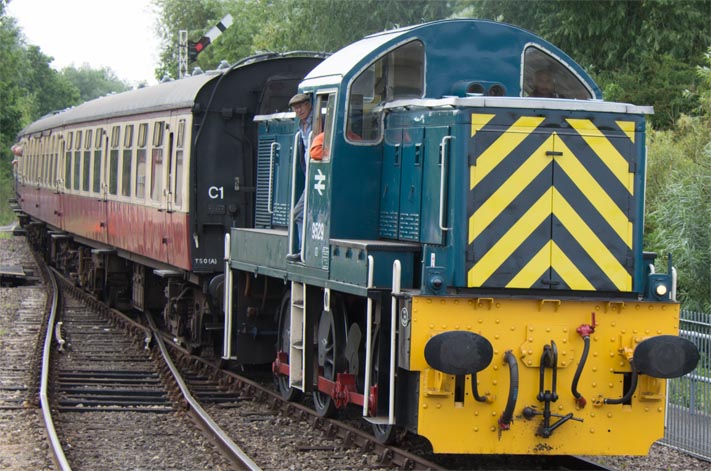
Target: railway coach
column 132, row 193
column 471, row 263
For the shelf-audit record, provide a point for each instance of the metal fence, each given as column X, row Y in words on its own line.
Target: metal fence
column 689, row 398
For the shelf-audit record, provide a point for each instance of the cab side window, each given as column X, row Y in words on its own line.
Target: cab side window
column 396, row 75
column 544, row 76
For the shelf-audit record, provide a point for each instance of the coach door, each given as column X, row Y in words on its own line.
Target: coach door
column 158, row 191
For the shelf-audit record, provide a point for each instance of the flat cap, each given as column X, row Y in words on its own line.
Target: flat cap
column 298, row 98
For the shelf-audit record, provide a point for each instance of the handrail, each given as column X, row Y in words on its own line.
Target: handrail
column 275, row 145
column 442, row 179
column 227, row 298
column 368, row 339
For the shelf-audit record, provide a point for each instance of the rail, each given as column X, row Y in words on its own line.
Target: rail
column 234, row 452
column 57, row 451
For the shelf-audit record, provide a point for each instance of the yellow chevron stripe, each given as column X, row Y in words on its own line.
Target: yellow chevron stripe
column 510, row 189
column 534, row 269
column 587, row 238
column 596, row 194
column 600, row 144
column 628, row 128
column 479, row 121
column 567, row 269
column 503, row 146
column 513, row 238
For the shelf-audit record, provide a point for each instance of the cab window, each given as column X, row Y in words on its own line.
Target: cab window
column 324, row 123
column 544, row 76
column 398, row 74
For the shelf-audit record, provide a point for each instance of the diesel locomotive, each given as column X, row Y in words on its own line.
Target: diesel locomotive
column 471, row 263
column 470, row 267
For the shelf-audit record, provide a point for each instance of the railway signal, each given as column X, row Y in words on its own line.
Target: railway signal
column 189, row 50
column 196, row 48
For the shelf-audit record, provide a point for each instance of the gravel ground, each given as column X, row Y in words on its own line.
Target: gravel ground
column 23, row 444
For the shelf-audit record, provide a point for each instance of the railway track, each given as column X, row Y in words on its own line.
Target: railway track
column 117, row 408
column 111, row 405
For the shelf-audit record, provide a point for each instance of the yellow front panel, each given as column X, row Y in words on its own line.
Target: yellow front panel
column 524, row 326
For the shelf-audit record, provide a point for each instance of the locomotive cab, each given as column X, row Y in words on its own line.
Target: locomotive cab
column 472, row 235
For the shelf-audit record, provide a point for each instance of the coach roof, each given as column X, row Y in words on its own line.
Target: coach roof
column 164, row 96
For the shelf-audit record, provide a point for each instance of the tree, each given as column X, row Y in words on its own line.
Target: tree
column 283, row 25
column 93, row 83
column 623, row 44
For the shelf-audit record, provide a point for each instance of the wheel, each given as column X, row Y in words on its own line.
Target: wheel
column 283, row 345
column 331, row 343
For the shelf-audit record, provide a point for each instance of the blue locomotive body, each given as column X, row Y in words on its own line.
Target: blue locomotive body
column 475, row 220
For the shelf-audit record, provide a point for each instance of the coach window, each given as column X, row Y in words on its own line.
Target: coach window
column 127, row 161
column 114, row 160
column 54, row 157
column 157, row 161
column 178, row 183
column 544, row 76
column 77, row 160
column 397, row 75
column 98, row 147
column 141, row 161
column 86, row 163
column 68, row 161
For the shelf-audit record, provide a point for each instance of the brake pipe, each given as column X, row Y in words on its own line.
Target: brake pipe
column 584, row 330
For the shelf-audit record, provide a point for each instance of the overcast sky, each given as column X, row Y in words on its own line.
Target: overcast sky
column 118, row 34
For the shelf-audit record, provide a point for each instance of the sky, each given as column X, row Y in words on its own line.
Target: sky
column 118, row 34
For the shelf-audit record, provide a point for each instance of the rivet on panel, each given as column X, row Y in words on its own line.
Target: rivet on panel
column 439, row 406
column 498, row 305
column 429, row 301
column 594, row 369
column 493, row 413
column 613, row 324
column 456, row 301
column 476, row 429
column 530, row 339
column 565, row 340
column 498, row 321
column 646, row 409
column 496, row 367
column 646, row 331
column 492, row 428
column 456, row 327
column 592, row 430
column 530, row 352
column 529, row 363
column 444, row 326
column 609, row 415
column 495, row 382
column 610, row 385
column 548, row 329
column 592, row 414
column 424, row 405
column 565, row 330
column 496, row 336
column 432, row 326
column 471, row 301
column 659, row 409
column 594, row 384
column 476, row 413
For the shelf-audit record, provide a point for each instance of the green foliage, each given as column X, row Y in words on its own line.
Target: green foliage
column 282, row 25
column 678, row 191
column 93, row 83
column 643, row 52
